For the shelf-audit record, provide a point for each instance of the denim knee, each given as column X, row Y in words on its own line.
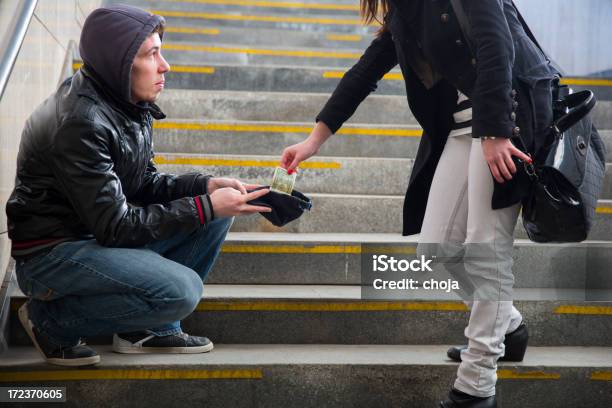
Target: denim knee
column 182, row 296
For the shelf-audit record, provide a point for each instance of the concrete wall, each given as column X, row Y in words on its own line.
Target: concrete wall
column 35, row 76
column 576, row 33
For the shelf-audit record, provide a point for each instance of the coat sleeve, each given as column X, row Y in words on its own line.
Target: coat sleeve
column 82, row 164
column 493, row 46
column 161, row 187
column 359, row 81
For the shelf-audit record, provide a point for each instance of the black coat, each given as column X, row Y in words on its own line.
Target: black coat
column 508, row 81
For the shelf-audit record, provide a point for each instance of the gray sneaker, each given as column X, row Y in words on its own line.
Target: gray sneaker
column 145, row 342
column 71, row 356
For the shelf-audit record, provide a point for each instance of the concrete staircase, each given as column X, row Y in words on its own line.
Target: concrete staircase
column 284, row 306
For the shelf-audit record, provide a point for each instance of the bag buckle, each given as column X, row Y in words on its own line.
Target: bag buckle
column 530, row 170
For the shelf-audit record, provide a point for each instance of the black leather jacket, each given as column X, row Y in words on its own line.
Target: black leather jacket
column 85, row 169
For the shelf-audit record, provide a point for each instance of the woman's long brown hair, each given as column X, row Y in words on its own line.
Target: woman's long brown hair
column 374, row 10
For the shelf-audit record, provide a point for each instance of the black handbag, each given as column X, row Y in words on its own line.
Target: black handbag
column 561, row 203
column 562, row 199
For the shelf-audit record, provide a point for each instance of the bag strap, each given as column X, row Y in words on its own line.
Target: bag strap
column 579, row 105
column 528, row 32
column 464, row 24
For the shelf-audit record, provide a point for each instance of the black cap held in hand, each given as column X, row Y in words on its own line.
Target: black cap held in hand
column 285, row 208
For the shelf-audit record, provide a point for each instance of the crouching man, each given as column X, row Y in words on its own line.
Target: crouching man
column 104, row 243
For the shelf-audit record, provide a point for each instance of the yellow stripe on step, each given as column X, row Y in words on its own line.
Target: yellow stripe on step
column 583, row 310
column 604, row 210
column 188, row 69
column 268, row 19
column 290, row 249
column 262, row 51
column 397, row 76
column 66, row 375
column 601, row 376
column 586, row 81
column 317, row 249
column 192, row 69
column 189, row 30
column 272, row 4
column 233, row 127
column 505, row 374
column 343, row 37
column 331, row 307
column 195, row 161
column 392, row 76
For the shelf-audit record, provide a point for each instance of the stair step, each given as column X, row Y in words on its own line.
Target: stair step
column 340, row 175
column 278, row 78
column 301, row 107
column 308, row 314
column 213, row 34
column 263, row 138
column 289, row 9
column 267, row 78
column 335, row 259
column 378, row 213
column 368, row 376
column 276, row 106
column 330, row 21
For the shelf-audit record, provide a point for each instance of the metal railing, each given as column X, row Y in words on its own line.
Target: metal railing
column 9, row 49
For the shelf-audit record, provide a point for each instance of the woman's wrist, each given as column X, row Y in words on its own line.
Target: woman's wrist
column 319, row 135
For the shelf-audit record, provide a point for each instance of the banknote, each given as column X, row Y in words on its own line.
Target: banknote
column 282, row 182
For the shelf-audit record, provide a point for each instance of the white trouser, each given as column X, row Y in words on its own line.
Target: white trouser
column 459, row 213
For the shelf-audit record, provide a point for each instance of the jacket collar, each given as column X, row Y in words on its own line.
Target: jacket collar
column 134, row 111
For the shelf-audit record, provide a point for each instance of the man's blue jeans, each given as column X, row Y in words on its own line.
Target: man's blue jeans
column 80, row 288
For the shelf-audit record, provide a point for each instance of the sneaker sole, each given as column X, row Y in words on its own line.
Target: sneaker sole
column 73, row 362
column 163, row 350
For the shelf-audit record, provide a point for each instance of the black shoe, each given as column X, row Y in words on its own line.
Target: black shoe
column 72, row 356
column 145, row 342
column 458, row 399
column 516, row 346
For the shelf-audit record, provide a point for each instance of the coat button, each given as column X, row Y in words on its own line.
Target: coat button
column 513, row 93
column 513, row 116
column 458, row 42
column 445, row 17
column 514, row 105
column 473, row 61
column 516, row 131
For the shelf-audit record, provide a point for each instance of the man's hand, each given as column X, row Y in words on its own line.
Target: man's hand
column 216, row 183
column 498, row 154
column 228, row 202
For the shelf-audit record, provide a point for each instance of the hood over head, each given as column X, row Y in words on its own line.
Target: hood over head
column 110, row 39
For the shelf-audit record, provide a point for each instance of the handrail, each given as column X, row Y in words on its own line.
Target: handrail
column 15, row 35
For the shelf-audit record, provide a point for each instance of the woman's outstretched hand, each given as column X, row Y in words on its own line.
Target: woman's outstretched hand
column 498, row 153
column 295, row 154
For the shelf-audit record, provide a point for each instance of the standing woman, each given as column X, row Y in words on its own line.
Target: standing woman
column 474, row 103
